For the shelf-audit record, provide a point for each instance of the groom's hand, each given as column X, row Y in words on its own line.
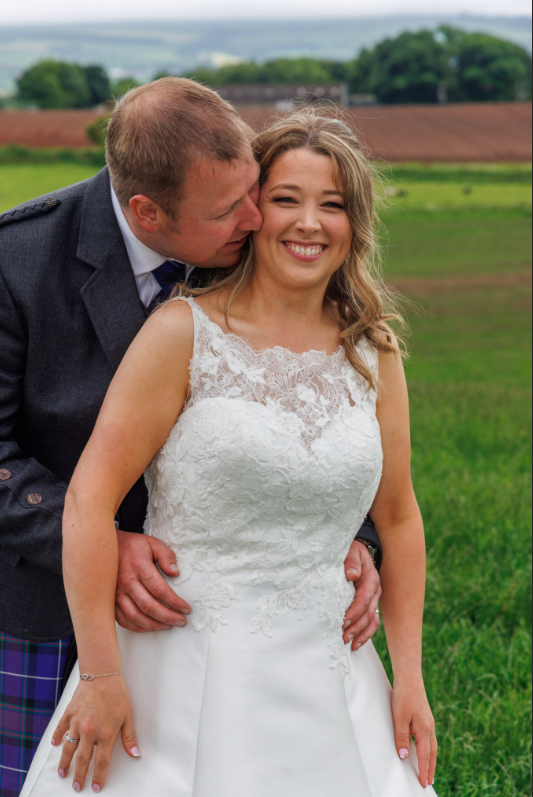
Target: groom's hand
column 362, row 620
column 144, row 601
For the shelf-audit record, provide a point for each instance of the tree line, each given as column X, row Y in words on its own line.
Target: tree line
column 58, row 84
column 422, row 67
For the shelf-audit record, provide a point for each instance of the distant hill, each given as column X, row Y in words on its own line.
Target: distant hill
column 141, row 49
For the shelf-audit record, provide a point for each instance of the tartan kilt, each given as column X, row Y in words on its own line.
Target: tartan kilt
column 30, row 687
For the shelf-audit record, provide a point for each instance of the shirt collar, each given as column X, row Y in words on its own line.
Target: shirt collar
column 143, row 259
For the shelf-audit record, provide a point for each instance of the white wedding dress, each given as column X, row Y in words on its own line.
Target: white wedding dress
column 260, row 489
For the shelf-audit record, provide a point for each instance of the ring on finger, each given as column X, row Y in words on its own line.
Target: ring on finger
column 69, row 738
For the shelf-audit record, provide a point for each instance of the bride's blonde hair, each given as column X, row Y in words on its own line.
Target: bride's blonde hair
column 365, row 305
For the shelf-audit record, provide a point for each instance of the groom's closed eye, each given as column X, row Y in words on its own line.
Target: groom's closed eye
column 224, row 214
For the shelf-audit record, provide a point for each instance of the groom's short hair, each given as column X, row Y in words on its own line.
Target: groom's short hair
column 159, row 130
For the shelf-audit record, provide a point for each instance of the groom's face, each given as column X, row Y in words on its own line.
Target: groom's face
column 216, row 215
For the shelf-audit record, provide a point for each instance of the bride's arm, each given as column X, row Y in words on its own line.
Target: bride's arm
column 141, row 407
column 403, row 574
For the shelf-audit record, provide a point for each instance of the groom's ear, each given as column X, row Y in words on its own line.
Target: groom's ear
column 147, row 214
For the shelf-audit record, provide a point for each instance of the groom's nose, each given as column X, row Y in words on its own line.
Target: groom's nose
column 251, row 219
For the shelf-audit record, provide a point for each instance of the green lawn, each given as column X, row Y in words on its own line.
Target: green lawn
column 464, row 262
column 467, row 271
column 439, row 196
column 457, row 243
column 470, row 387
column 20, row 183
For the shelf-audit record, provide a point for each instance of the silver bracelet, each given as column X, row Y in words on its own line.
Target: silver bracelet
column 86, row 677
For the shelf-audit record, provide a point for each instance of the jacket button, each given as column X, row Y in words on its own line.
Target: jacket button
column 5, row 475
column 35, row 499
column 50, row 201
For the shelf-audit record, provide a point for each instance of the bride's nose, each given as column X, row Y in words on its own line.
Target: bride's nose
column 308, row 221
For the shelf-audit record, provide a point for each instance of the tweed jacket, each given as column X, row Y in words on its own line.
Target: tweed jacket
column 69, row 309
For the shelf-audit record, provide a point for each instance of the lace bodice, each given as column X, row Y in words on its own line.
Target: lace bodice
column 266, row 477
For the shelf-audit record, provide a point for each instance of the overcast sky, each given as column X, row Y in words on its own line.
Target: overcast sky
column 54, row 11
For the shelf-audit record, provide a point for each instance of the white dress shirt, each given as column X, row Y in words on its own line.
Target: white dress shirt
column 143, row 259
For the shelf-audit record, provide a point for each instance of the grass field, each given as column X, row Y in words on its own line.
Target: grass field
column 20, row 183
column 464, row 260
column 467, row 269
column 464, row 195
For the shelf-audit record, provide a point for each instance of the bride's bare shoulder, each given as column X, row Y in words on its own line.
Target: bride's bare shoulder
column 172, row 325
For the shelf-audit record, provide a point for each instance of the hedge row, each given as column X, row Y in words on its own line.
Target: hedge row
column 474, row 172
column 17, row 154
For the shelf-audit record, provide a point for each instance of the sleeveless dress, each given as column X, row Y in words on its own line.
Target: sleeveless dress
column 260, row 489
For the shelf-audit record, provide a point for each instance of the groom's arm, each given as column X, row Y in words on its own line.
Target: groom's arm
column 31, row 496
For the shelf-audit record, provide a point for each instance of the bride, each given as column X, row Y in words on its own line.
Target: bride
column 270, row 414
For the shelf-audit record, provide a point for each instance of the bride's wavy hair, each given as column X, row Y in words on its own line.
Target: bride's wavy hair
column 367, row 307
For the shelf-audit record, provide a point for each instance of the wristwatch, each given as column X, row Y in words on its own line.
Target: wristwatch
column 372, row 550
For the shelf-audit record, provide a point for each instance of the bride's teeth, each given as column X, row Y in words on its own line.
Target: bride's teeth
column 309, row 251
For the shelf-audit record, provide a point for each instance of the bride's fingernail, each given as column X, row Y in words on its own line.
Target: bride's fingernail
column 404, row 753
column 53, row 742
column 135, row 752
column 61, row 773
column 96, row 788
column 76, row 786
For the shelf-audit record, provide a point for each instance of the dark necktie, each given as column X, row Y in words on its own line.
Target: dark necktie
column 168, row 275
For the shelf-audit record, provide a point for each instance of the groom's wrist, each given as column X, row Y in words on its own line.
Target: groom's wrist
column 372, row 549
column 368, row 536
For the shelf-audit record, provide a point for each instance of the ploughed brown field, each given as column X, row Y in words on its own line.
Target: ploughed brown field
column 488, row 132
column 46, row 128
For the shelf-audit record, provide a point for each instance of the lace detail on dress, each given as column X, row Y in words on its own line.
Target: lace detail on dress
column 312, row 386
column 266, row 478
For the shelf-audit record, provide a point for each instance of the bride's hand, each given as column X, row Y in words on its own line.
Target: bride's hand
column 97, row 713
column 413, row 717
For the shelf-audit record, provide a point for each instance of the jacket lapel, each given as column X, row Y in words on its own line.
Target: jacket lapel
column 110, row 294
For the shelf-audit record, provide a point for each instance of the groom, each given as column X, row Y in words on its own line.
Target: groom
column 80, row 271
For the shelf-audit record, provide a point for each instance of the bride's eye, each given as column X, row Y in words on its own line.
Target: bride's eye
column 335, row 205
